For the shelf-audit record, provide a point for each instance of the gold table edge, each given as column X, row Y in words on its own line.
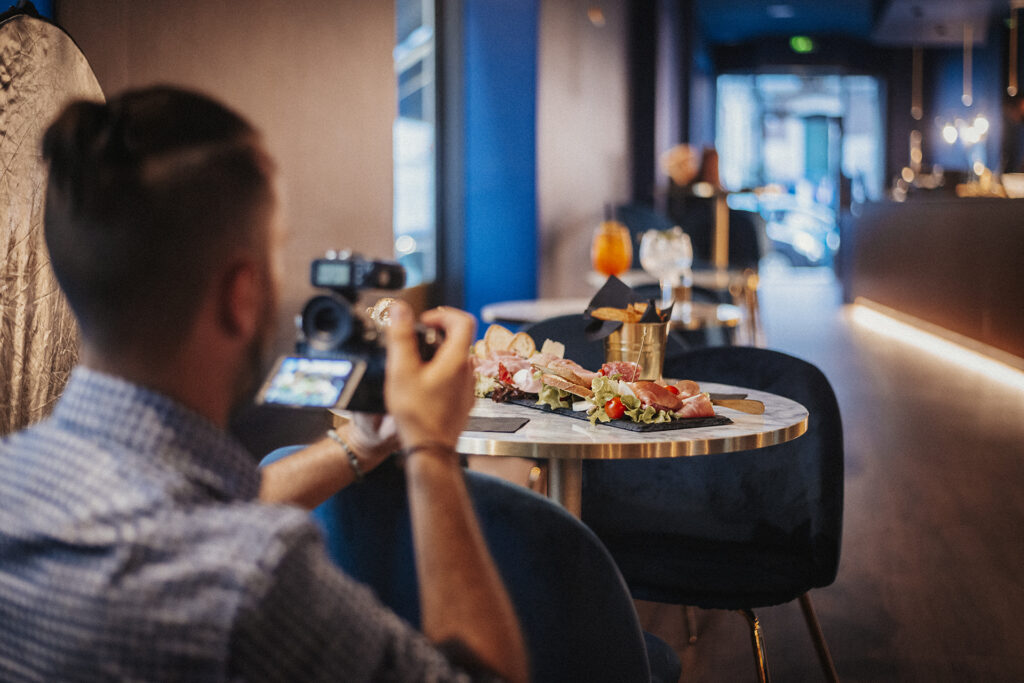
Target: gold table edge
column 484, row 445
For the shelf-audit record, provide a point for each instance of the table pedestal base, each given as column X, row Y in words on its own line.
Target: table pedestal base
column 565, row 483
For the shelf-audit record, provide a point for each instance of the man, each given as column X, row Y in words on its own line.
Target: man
column 132, row 543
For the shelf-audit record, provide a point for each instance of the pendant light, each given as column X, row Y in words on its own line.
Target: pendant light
column 968, row 97
column 1011, row 85
column 916, row 77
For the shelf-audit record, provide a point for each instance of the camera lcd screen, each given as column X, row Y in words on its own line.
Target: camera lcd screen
column 333, row 274
column 312, row 382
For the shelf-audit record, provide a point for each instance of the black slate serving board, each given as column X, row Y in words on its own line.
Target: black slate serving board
column 629, row 425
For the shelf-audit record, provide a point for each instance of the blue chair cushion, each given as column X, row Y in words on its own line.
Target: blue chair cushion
column 665, row 664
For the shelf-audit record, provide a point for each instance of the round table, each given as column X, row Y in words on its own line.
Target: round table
column 563, row 442
column 692, row 315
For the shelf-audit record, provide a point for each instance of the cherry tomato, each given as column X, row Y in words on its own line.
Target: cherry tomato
column 614, row 408
column 673, row 390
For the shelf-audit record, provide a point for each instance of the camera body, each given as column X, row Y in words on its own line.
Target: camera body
column 336, row 346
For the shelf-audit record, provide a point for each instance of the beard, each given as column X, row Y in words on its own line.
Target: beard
column 255, row 361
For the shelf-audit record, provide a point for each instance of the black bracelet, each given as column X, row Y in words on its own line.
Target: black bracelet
column 428, row 446
column 352, row 459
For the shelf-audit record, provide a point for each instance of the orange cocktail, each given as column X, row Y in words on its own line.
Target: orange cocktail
column 611, row 252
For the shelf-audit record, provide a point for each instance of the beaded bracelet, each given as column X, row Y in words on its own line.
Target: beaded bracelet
column 352, row 459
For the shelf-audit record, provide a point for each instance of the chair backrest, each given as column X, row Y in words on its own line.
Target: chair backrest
column 787, row 497
column 748, row 238
column 569, row 329
column 578, row 619
column 639, row 218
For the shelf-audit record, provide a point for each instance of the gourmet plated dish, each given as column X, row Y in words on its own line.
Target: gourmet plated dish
column 509, row 367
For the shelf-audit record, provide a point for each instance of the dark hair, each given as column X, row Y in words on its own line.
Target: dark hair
column 146, row 194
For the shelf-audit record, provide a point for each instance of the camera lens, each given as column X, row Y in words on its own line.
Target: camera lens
column 327, row 323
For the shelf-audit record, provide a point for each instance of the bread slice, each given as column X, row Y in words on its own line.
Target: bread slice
column 554, row 348
column 566, row 385
column 564, row 373
column 498, row 338
column 523, row 345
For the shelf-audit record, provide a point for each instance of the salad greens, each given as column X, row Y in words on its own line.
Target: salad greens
column 554, row 397
column 605, row 389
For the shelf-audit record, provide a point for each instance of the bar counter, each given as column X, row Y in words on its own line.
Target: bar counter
column 952, row 262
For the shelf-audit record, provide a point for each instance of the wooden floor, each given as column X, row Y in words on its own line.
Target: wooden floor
column 930, row 585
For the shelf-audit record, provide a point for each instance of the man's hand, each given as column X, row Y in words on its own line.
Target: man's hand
column 309, row 477
column 429, row 401
column 373, row 438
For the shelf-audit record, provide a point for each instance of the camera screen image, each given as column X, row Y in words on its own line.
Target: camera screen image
column 311, row 382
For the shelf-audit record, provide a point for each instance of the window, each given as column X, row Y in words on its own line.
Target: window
column 414, row 138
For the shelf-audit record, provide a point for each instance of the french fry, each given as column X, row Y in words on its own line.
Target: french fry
column 621, row 315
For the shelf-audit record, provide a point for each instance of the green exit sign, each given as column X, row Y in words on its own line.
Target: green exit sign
column 801, row 45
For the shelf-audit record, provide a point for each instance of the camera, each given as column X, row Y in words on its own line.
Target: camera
column 339, row 358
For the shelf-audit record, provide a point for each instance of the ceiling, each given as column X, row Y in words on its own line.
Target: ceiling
column 887, row 22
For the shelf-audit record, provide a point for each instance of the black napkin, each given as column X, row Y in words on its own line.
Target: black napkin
column 505, row 425
column 615, row 293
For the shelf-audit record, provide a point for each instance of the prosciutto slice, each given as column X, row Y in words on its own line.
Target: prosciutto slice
column 628, row 371
column 489, row 366
column 687, row 387
column 655, row 395
column 698, row 405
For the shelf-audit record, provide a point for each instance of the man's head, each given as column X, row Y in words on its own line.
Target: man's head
column 151, row 197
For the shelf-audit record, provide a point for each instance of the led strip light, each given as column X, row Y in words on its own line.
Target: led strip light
column 949, row 346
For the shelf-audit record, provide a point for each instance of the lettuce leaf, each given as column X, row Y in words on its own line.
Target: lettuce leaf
column 484, row 386
column 554, row 397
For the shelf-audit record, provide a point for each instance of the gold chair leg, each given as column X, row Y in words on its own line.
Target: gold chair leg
column 757, row 639
column 691, row 622
column 824, row 656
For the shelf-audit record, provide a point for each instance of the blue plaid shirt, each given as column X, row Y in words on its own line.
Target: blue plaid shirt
column 132, row 548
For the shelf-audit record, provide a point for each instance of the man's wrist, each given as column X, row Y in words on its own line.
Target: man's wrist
column 353, row 459
column 429, row 446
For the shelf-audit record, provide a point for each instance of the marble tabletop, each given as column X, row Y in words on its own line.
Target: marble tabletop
column 552, row 436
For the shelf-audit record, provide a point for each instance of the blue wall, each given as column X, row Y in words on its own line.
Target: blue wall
column 500, row 95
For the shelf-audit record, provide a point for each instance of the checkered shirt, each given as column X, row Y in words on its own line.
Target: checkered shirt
column 132, row 548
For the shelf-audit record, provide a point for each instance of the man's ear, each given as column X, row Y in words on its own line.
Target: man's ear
column 240, row 300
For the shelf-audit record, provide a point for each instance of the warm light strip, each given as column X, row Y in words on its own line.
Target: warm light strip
column 1006, row 369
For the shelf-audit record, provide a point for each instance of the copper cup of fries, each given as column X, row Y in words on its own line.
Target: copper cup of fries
column 637, row 342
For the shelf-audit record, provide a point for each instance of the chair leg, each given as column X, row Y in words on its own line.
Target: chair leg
column 691, row 622
column 824, row 656
column 757, row 639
